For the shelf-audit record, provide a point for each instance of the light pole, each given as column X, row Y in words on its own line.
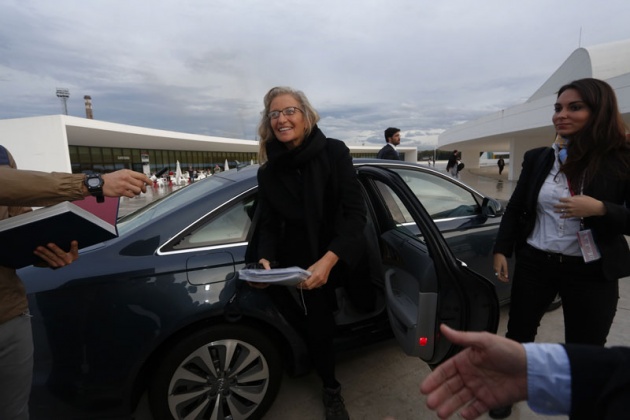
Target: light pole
column 64, row 94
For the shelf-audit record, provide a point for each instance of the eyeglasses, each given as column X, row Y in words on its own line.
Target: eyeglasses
column 287, row 112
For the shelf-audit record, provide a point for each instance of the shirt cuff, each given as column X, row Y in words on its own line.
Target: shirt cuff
column 548, row 378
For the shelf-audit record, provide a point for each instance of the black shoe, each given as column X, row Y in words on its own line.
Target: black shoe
column 501, row 412
column 333, row 402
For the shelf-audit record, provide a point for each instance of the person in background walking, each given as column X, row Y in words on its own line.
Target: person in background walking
column 451, row 165
column 501, row 164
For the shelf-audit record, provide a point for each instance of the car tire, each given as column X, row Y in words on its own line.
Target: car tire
column 223, row 372
column 555, row 304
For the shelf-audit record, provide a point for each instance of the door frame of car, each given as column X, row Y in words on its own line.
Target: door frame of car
column 461, row 298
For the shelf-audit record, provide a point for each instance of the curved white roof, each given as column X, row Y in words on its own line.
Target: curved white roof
column 603, row 62
column 529, row 124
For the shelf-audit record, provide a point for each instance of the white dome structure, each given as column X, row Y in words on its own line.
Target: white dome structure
column 528, row 125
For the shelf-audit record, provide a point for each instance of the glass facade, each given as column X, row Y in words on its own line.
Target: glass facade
column 109, row 159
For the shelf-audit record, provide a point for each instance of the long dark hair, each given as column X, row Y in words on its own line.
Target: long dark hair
column 603, row 135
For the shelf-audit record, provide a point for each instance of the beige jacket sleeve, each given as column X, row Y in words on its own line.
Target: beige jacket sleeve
column 32, row 188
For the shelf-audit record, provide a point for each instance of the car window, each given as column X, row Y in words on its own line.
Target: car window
column 228, row 226
column 169, row 203
column 398, row 212
column 440, row 197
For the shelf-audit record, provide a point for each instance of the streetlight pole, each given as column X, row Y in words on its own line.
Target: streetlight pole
column 63, row 94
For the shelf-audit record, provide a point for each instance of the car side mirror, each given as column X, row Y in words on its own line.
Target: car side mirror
column 491, row 207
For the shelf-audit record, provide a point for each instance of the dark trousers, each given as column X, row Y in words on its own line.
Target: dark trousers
column 589, row 301
column 315, row 321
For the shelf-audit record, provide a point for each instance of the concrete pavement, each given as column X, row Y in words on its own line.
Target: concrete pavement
column 381, row 382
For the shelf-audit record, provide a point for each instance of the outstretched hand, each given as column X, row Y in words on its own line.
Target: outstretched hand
column 491, row 372
column 125, row 183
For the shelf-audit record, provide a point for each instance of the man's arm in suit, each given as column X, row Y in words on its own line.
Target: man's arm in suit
column 600, row 382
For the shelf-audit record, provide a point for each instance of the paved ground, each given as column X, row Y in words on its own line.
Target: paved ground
column 380, row 382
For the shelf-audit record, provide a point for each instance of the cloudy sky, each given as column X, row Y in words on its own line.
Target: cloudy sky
column 203, row 66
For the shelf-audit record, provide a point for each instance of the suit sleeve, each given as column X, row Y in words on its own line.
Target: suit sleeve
column 600, row 382
column 617, row 217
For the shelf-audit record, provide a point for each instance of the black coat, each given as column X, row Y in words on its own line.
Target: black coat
column 608, row 230
column 310, row 203
column 452, row 161
column 600, row 382
column 388, row 152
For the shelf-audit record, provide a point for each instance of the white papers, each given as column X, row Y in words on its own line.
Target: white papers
column 289, row 276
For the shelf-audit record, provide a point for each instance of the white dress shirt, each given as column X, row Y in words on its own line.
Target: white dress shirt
column 552, row 233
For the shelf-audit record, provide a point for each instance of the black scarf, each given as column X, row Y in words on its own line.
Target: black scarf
column 305, row 170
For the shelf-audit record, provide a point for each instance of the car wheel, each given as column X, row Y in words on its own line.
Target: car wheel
column 555, row 304
column 220, row 372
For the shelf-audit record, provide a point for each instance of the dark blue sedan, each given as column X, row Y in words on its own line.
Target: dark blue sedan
column 160, row 309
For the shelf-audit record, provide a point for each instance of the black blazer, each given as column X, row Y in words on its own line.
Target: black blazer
column 608, row 230
column 600, row 382
column 388, row 152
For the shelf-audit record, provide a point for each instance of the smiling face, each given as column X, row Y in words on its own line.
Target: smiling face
column 571, row 113
column 289, row 130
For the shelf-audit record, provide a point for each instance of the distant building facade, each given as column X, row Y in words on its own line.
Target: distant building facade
column 71, row 144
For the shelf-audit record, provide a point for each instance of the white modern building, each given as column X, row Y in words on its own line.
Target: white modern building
column 523, row 127
column 63, row 143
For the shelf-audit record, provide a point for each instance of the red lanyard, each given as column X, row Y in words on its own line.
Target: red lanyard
column 570, row 189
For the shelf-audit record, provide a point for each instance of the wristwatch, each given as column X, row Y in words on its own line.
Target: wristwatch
column 94, row 184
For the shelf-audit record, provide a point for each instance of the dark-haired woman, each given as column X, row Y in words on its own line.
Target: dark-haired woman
column 567, row 218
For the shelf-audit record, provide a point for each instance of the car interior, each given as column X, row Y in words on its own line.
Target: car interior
column 400, row 271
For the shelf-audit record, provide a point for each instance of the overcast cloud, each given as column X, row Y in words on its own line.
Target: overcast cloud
column 203, row 66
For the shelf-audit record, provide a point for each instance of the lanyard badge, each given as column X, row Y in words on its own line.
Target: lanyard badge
column 589, row 249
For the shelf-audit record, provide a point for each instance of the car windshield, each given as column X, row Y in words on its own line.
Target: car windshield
column 169, row 203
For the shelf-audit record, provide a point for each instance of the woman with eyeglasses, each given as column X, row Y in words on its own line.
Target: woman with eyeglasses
column 311, row 214
column 566, row 221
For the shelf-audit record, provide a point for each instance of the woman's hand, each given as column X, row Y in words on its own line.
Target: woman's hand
column 56, row 257
column 267, row 266
column 579, row 206
column 265, row 263
column 320, row 271
column 501, row 267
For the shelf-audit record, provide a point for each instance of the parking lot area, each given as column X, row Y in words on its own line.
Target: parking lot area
column 380, row 382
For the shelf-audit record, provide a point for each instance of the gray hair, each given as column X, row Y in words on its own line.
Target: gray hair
column 265, row 132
